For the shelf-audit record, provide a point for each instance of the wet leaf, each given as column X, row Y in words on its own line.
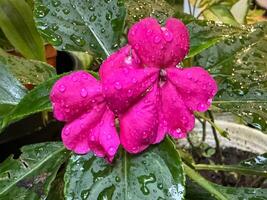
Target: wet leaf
column 154, row 174
column 10, row 89
column 220, row 13
column 27, row 71
column 159, row 9
column 78, row 25
column 16, row 21
column 238, row 64
column 30, row 176
column 194, row 192
column 256, row 163
column 37, row 100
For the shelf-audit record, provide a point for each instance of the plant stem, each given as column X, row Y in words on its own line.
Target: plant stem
column 192, row 174
column 189, row 7
column 218, row 148
column 230, row 168
column 204, row 130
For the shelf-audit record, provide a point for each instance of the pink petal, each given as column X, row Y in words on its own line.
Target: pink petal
column 94, row 131
column 75, row 134
column 74, row 94
column 139, row 125
column 177, row 118
column 108, row 137
column 124, row 81
column 196, row 87
column 159, row 46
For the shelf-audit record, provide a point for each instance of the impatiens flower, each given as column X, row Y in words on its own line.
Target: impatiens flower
column 150, row 94
column 77, row 100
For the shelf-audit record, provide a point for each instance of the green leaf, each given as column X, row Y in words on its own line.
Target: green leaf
column 204, row 34
column 30, row 176
column 79, row 25
column 205, row 184
column 256, row 163
column 240, row 10
column 16, row 21
column 194, row 192
column 27, row 71
column 10, row 89
column 4, row 43
column 155, row 174
column 37, row 100
column 237, row 62
column 220, row 13
column 159, row 9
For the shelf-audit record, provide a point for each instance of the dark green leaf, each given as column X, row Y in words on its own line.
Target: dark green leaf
column 16, row 21
column 194, row 192
column 4, row 43
column 154, row 174
column 238, row 64
column 79, row 25
column 37, row 100
column 30, row 176
column 27, row 71
column 256, row 163
column 10, row 89
column 159, row 9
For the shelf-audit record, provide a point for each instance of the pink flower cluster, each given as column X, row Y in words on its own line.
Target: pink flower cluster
column 142, row 86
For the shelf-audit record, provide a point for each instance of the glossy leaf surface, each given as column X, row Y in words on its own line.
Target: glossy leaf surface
column 27, row 71
column 30, row 176
column 154, row 174
column 10, row 89
column 78, row 25
column 238, row 64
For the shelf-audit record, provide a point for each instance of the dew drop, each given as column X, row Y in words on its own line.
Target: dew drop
column 168, row 36
column 67, row 131
column 111, row 151
column 83, row 93
column 118, row 85
column 201, row 107
column 62, row 88
column 157, row 39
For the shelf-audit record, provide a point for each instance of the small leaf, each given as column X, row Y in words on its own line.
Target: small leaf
column 194, row 192
column 155, row 174
column 27, row 71
column 240, row 10
column 237, row 62
column 220, row 13
column 37, row 100
column 94, row 26
column 16, row 21
column 10, row 89
column 30, row 176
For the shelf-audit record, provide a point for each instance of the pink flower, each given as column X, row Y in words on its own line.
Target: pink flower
column 151, row 96
column 77, row 100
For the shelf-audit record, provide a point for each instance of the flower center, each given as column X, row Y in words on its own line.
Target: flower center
column 162, row 77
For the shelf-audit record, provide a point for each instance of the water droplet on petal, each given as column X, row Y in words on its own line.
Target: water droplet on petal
column 168, row 36
column 111, row 151
column 83, row 93
column 201, row 107
column 67, row 131
column 108, row 136
column 128, row 60
column 130, row 93
column 134, row 80
column 118, row 85
column 157, row 39
column 149, row 32
column 62, row 88
column 74, row 79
